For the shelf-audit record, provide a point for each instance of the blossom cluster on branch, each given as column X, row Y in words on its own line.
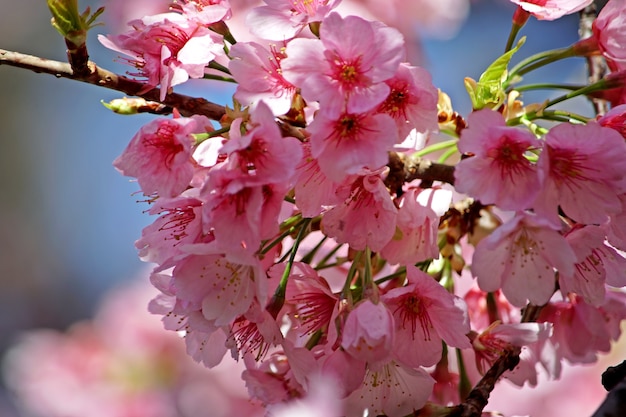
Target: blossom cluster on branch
column 301, row 232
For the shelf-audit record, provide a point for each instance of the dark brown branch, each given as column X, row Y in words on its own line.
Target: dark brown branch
column 477, row 400
column 403, row 169
column 615, row 402
column 103, row 78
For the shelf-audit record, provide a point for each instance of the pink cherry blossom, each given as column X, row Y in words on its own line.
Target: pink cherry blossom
column 259, row 76
column 412, row 100
column 425, row 314
column 596, row 264
column 552, row 9
column 368, row 333
column 415, row 239
column 391, row 390
column 366, row 218
column 279, row 20
column 313, row 299
column 239, row 216
column 580, row 330
column 498, row 172
column 315, row 191
column 261, row 155
column 616, row 227
column 520, row 257
column 223, row 290
column 160, row 155
column 345, row 70
column 204, row 12
column 349, row 143
column 615, row 119
column 168, row 49
column 582, row 176
column 490, row 344
column 254, row 333
column 609, row 31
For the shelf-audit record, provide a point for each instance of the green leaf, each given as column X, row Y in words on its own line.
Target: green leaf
column 72, row 25
column 488, row 91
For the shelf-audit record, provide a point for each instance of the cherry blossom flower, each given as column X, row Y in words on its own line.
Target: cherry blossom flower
column 520, row 257
column 616, row 227
column 313, row 299
column 580, row 330
column 120, row 364
column 366, row 218
column 368, row 333
column 391, row 389
column 551, row 9
column 609, row 31
column 415, row 239
column 204, row 12
column 314, row 190
column 425, row 314
column 490, row 344
column 167, row 48
column 238, row 216
column 584, row 177
column 179, row 224
column 596, row 264
column 261, row 155
column 345, row 70
column 280, row 20
column 498, row 172
column 223, row 290
column 615, row 119
column 349, row 143
column 412, row 101
column 259, row 76
column 160, row 155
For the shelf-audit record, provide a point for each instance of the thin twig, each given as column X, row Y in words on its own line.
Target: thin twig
column 101, row 77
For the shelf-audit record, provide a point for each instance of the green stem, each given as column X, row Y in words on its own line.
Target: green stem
column 217, row 66
column 447, row 154
column 512, row 35
column 282, row 287
column 345, row 292
column 308, row 258
column 399, row 272
column 436, row 147
column 537, row 61
column 219, row 78
column 289, row 230
column 548, row 86
column 322, row 263
column 465, row 386
column 201, row 137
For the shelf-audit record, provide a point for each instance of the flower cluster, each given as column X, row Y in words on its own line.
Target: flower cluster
column 284, row 236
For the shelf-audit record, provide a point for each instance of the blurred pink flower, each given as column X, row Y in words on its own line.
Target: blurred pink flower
column 552, row 9
column 280, row 20
column 609, row 31
column 122, row 364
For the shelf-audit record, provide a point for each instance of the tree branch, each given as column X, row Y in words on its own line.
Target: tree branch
column 104, row 78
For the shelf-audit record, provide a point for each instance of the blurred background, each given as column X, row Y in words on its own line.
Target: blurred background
column 68, row 220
